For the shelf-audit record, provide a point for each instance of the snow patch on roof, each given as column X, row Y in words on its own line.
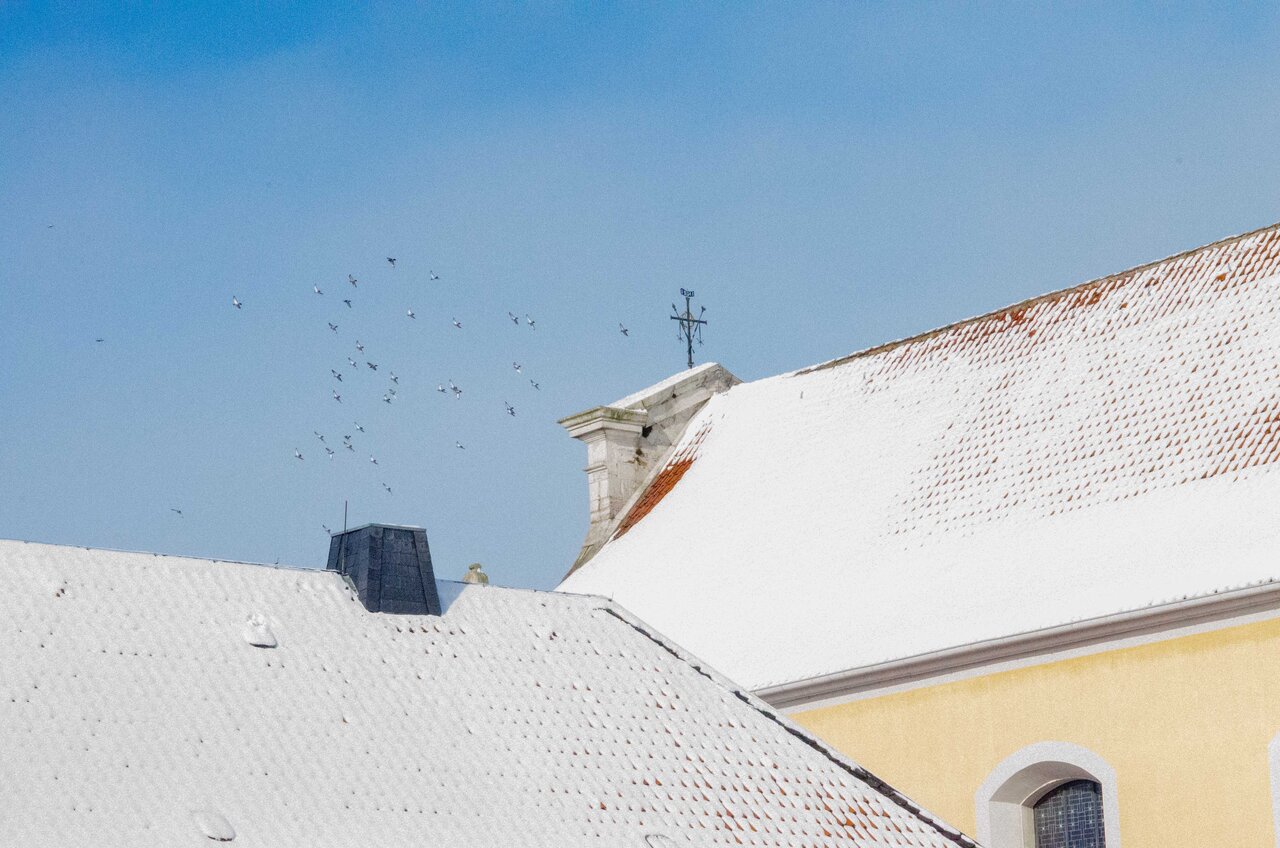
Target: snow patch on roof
column 1074, row 456
column 134, row 711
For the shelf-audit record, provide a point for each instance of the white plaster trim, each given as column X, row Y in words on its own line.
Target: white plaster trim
column 1273, row 758
column 1148, row 624
column 1005, row 798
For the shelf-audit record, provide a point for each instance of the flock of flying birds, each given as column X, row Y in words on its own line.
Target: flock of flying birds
column 390, row 393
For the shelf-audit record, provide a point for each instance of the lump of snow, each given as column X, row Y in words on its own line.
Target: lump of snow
column 214, row 825
column 258, row 633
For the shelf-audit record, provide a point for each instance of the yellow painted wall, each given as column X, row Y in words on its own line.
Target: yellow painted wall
column 1184, row 722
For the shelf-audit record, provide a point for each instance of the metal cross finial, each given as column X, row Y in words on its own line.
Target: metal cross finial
column 690, row 325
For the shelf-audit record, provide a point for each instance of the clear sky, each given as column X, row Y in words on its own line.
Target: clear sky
column 826, row 176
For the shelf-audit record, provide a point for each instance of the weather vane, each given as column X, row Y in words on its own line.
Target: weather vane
column 690, row 324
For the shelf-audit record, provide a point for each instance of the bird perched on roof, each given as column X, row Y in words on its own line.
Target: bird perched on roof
column 511, row 410
column 475, row 575
column 333, row 327
column 337, row 396
column 347, row 301
column 433, row 275
column 623, row 329
column 235, row 301
column 352, row 280
column 297, row 453
column 391, row 261
column 358, row 427
column 530, row 321
column 515, row 319
column 336, row 375
column 457, row 323
column 172, row 509
column 534, row 383
column 409, row 312
column 316, row 289
column 359, row 346
column 519, row 368
column 372, row 365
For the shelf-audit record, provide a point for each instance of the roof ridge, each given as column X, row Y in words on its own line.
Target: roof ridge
column 837, row 759
column 1024, row 304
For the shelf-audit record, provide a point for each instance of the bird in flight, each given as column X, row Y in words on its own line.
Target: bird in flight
column 326, row 529
column 358, row 427
column 99, row 340
column 372, row 365
column 457, row 323
column 392, row 392
column 297, row 453
column 347, row 301
column 457, row 392
column 515, row 319
column 350, row 447
column 336, row 375
column 235, row 301
column 529, row 320
column 337, row 396
column 388, row 488
column 386, row 398
column 440, row 389
column 352, row 280
column 171, row 509
column 353, row 362
column 318, row 435
column 372, row 459
column 359, row 346
column 333, row 327
column 535, row 385
column 460, row 446
column 394, row 378
column 391, row 261
column 519, row 368
column 316, row 289
column 409, row 312
column 623, row 329
column 434, row 275
column 511, row 410
column 329, row 451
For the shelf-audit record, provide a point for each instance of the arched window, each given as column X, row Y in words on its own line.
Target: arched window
column 1049, row 795
column 1070, row 816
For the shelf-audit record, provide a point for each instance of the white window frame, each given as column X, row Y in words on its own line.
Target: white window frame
column 1005, row 800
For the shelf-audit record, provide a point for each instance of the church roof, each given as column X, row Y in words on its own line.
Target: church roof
column 1091, row 451
column 154, row 700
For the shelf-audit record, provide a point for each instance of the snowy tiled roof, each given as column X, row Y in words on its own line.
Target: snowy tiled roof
column 1083, row 453
column 136, row 709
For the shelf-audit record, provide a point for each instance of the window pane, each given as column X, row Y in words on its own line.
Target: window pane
column 1070, row 817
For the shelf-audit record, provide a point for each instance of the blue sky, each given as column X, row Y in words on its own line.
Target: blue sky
column 826, row 176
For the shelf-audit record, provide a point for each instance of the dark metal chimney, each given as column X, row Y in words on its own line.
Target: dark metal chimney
column 389, row 566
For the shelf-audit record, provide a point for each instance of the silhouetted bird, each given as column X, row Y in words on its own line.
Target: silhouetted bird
column 409, row 312
column 333, row 327
column 358, row 427
column 434, row 275
column 530, row 321
column 372, row 365
column 347, row 302
column 511, row 410
column 519, row 368
column 235, row 302
column 359, row 346
column 391, row 260
column 535, row 385
column 352, row 280
column 316, row 289
column 171, row 509
column 297, row 453
column 336, row 375
column 457, row 323
column 337, row 397
column 624, row 330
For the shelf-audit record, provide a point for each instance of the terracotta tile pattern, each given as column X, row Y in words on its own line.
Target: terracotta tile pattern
column 666, row 479
column 1143, row 380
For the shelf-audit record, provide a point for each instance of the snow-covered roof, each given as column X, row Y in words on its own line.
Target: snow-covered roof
column 138, row 706
column 1090, row 451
